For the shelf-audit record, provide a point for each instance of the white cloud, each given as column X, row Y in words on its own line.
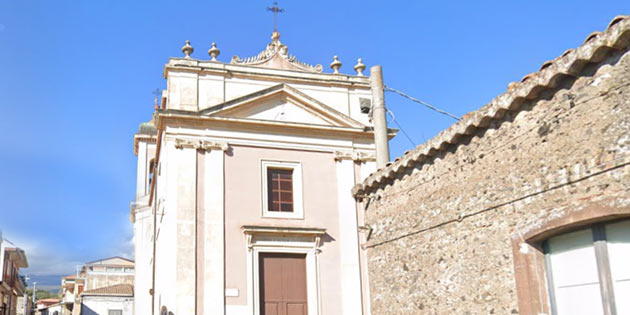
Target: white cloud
column 45, row 259
column 127, row 249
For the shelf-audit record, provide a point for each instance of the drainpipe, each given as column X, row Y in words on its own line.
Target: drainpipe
column 378, row 116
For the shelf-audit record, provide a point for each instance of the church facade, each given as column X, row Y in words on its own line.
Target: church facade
column 244, row 178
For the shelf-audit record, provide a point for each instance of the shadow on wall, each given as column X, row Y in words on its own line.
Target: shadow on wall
column 326, row 238
column 85, row 310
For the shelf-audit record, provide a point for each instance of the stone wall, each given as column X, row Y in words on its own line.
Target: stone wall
column 442, row 232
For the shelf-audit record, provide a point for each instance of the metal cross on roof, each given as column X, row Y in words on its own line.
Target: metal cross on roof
column 275, row 9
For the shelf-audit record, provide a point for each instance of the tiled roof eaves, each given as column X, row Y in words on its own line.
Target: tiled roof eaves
column 114, row 290
column 105, row 294
column 596, row 48
column 98, row 262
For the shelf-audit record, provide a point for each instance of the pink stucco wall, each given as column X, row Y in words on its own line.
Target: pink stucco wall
column 243, row 206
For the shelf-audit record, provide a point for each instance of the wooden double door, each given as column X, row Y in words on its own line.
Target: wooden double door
column 282, row 284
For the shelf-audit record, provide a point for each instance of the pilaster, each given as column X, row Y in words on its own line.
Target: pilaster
column 348, row 237
column 210, row 248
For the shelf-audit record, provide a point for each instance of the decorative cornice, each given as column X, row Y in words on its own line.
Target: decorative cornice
column 276, row 48
column 356, row 156
column 142, row 137
column 316, row 233
column 205, row 145
column 284, row 125
column 265, row 73
column 325, row 112
column 254, row 229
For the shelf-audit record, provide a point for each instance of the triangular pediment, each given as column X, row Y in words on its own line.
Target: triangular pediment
column 118, row 261
column 282, row 103
column 280, row 109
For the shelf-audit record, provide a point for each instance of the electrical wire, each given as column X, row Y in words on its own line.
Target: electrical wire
column 546, row 118
column 6, row 240
column 498, row 206
column 413, row 99
column 400, row 127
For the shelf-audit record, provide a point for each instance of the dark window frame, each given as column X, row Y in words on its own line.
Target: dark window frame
column 150, row 176
column 297, row 186
column 279, row 184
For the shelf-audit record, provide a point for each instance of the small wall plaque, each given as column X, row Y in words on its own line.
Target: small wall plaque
column 231, row 292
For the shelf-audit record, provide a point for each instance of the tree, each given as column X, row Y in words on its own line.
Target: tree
column 42, row 294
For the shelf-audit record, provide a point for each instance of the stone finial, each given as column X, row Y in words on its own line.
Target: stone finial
column 187, row 49
column 335, row 65
column 214, row 52
column 275, row 36
column 359, row 67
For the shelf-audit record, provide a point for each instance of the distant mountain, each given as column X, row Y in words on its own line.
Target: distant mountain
column 48, row 282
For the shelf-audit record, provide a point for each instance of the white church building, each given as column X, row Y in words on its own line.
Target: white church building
column 244, row 178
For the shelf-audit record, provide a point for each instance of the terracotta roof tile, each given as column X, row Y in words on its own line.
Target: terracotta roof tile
column 114, row 290
column 596, row 48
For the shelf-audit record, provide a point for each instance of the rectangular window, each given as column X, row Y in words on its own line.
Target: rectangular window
column 282, row 190
column 576, row 286
column 114, row 312
column 587, row 270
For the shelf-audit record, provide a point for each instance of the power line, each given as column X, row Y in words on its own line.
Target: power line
column 463, row 216
column 413, row 99
column 400, row 127
column 512, row 139
column 499, row 205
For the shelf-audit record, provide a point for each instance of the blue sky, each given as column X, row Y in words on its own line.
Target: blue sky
column 76, row 80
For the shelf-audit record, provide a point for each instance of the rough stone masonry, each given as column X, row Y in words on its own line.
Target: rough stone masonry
column 444, row 227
